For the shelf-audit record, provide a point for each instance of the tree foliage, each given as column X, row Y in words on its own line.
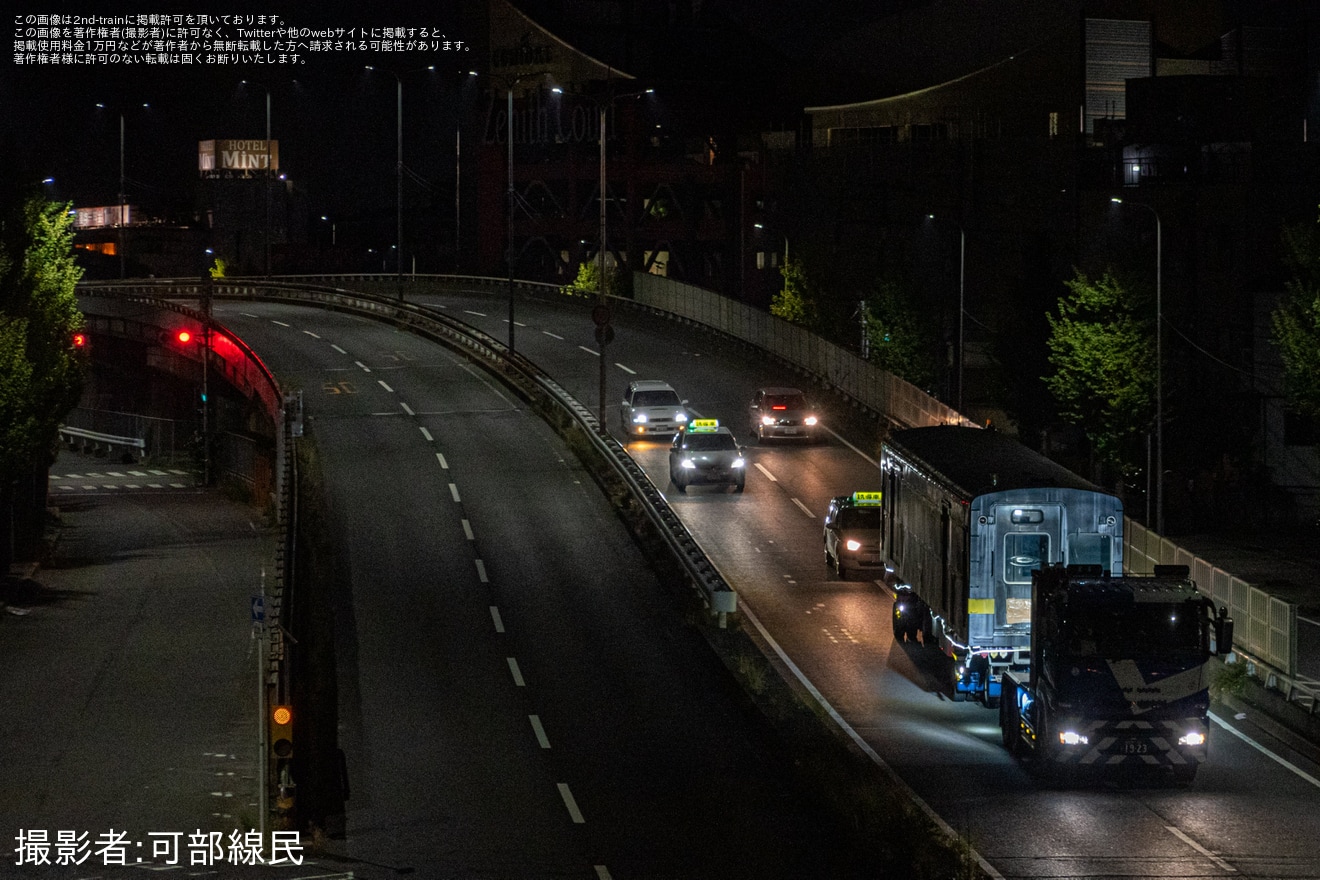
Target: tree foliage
column 795, row 302
column 40, row 372
column 898, row 338
column 1296, row 322
column 588, row 281
column 1102, row 348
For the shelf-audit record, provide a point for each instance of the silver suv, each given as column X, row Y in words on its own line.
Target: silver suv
column 652, row 407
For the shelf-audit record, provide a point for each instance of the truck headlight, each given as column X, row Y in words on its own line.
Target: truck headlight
column 1192, row 739
column 1071, row 738
column 853, row 544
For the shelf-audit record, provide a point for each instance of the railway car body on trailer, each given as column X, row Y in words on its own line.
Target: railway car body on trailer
column 969, row 514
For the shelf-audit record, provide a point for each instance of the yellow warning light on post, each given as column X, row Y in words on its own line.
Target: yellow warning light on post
column 281, row 731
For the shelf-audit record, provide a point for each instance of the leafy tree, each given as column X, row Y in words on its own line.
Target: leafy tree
column 588, row 280
column 898, row 338
column 1297, row 319
column 796, row 302
column 1102, row 347
column 40, row 371
column 217, row 269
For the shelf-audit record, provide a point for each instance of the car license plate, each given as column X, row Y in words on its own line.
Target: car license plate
column 1136, row 747
column 791, row 431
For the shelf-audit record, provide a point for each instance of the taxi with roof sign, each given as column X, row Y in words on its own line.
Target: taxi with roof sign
column 854, row 525
column 706, row 453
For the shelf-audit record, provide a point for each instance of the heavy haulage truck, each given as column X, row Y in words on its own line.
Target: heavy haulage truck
column 1117, row 671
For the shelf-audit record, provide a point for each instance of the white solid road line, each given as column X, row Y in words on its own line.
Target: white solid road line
column 1283, row 762
column 1223, row 865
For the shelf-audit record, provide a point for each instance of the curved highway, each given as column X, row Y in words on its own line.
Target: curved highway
column 517, row 695
column 1251, row 811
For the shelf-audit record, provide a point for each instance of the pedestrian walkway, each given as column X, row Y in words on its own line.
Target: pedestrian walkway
column 129, row 692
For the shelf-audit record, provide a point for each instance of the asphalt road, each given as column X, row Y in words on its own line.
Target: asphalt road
column 128, row 682
column 1250, row 812
column 518, row 695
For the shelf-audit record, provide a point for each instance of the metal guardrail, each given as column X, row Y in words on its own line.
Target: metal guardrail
column 518, row 371
column 95, row 439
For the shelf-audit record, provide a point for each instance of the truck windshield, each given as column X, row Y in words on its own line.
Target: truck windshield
column 1133, row 630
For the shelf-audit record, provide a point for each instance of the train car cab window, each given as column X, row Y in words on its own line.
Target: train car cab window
column 1024, row 551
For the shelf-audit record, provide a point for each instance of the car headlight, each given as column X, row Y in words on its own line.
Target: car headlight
column 1192, row 739
column 639, row 418
column 680, row 416
column 738, row 462
column 687, row 464
column 810, row 420
column 853, row 544
column 767, row 420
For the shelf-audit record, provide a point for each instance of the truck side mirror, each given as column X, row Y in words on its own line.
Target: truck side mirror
column 1223, row 633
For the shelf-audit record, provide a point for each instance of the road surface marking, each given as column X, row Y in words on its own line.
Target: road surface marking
column 517, row 673
column 589, row 351
column 1223, row 865
column 481, row 572
column 426, row 433
column 631, row 373
column 478, row 314
column 804, row 508
column 467, row 531
column 539, row 731
column 444, row 465
column 499, row 624
column 383, row 385
column 337, row 348
column 573, row 810
column 769, row 476
column 364, row 367
column 453, row 490
column 281, row 323
column 553, row 335
column 1264, row 751
column 311, row 334
column 407, row 408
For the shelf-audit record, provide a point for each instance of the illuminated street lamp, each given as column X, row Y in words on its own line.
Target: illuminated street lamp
column 1159, row 367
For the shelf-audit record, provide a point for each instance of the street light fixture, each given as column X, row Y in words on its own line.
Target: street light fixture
column 1159, row 364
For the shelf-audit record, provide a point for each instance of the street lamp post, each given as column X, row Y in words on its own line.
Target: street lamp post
column 962, row 308
column 123, row 193
column 1159, row 364
column 509, row 84
column 266, row 178
column 603, row 334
